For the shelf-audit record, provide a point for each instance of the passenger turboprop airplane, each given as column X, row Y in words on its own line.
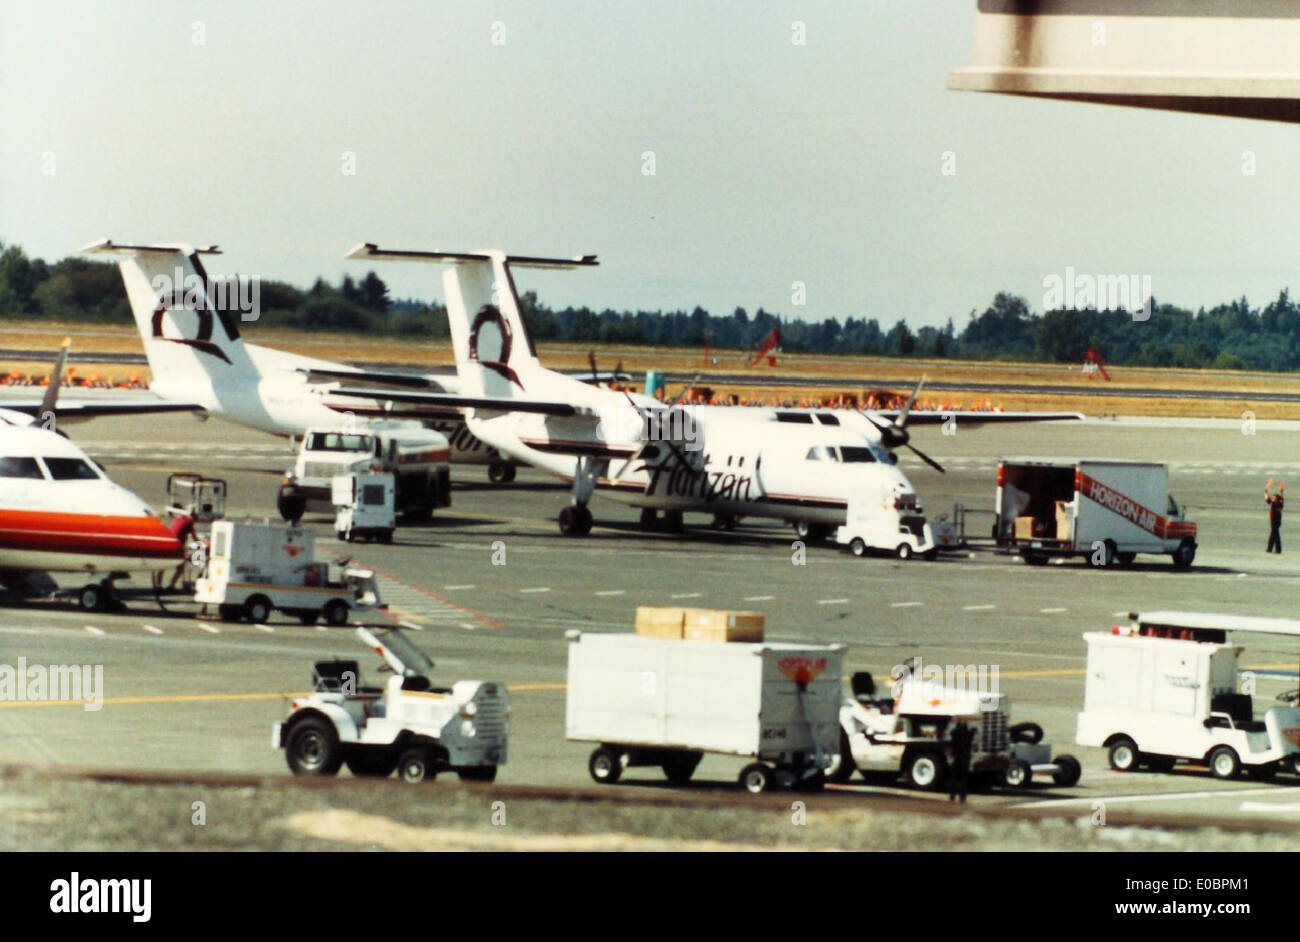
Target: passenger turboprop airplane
column 200, row 362
column 802, row 466
column 59, row 512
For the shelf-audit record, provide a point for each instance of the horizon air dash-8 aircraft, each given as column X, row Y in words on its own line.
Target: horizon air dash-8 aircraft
column 799, row 465
column 199, row 361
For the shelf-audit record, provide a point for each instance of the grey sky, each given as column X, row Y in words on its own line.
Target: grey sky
column 774, row 162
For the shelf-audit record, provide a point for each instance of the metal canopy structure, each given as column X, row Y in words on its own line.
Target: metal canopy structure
column 1237, row 58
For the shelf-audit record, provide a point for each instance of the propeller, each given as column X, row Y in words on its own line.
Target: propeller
column 671, row 445
column 894, row 435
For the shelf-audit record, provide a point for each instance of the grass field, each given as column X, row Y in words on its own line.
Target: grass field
column 899, row 374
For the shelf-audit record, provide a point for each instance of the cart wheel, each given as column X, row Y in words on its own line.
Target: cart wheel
column 904, row 551
column 926, row 770
column 1067, row 771
column 858, row 547
column 257, row 609
column 1223, row 762
column 842, row 766
column 605, row 765
column 91, row 597
column 931, row 555
column 755, row 778
column 1018, row 774
column 415, row 766
column 313, row 748
column 1124, row 755
column 1263, row 773
column 336, row 612
column 309, row 618
column 477, row 773
column 679, row 768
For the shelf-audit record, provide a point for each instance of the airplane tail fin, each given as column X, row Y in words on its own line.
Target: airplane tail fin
column 186, row 324
column 494, row 352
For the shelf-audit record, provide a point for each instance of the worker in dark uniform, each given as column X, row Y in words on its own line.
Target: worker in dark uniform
column 1275, row 503
column 963, row 734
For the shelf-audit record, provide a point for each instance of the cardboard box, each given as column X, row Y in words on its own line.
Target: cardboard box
column 655, row 622
column 1024, row 528
column 703, row 624
column 1064, row 511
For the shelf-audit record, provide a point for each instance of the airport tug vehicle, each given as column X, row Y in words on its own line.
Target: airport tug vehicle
column 408, row 724
column 365, row 506
column 696, row 681
column 255, row 568
column 1106, row 511
column 907, row 731
column 418, row 458
column 1168, row 688
column 893, row 523
column 1031, row 756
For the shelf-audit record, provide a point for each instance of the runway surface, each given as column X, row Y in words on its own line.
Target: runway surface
column 186, row 694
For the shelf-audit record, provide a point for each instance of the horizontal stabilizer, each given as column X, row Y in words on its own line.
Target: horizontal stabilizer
column 109, row 247
column 468, row 402
column 70, row 410
column 370, row 250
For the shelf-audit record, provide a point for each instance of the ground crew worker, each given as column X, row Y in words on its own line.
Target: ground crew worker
column 1275, row 503
column 963, row 734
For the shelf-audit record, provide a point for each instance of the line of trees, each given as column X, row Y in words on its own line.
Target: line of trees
column 1228, row 336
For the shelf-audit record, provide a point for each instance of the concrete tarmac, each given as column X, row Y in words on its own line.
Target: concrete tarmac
column 188, row 694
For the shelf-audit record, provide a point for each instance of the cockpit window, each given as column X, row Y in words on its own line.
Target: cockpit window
column 70, row 469
column 820, row 453
column 338, row 441
column 828, row 418
column 20, row 468
column 856, row 454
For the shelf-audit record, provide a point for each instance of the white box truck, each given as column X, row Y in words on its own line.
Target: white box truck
column 418, row 458
column 1168, row 688
column 1105, row 510
column 664, row 702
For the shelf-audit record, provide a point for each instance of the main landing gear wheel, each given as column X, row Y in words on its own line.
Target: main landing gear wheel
column 649, row 518
column 575, row 520
column 724, row 522
column 501, row 472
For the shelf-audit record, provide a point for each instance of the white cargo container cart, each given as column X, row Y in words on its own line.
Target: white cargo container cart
column 1105, row 510
column 256, row 568
column 408, row 725
column 892, row 524
column 364, row 507
column 1168, row 688
column 665, row 702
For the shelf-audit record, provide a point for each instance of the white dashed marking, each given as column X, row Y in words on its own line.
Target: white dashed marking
column 411, row 624
column 831, row 601
column 152, row 630
column 977, row 608
column 451, row 588
column 613, row 592
column 686, row 595
column 93, row 630
column 759, row 598
column 209, row 628
column 1053, row 611
column 543, row 588
column 267, row 628
column 905, row 604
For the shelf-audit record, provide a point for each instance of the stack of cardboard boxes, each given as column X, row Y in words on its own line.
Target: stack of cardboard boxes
column 699, row 624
